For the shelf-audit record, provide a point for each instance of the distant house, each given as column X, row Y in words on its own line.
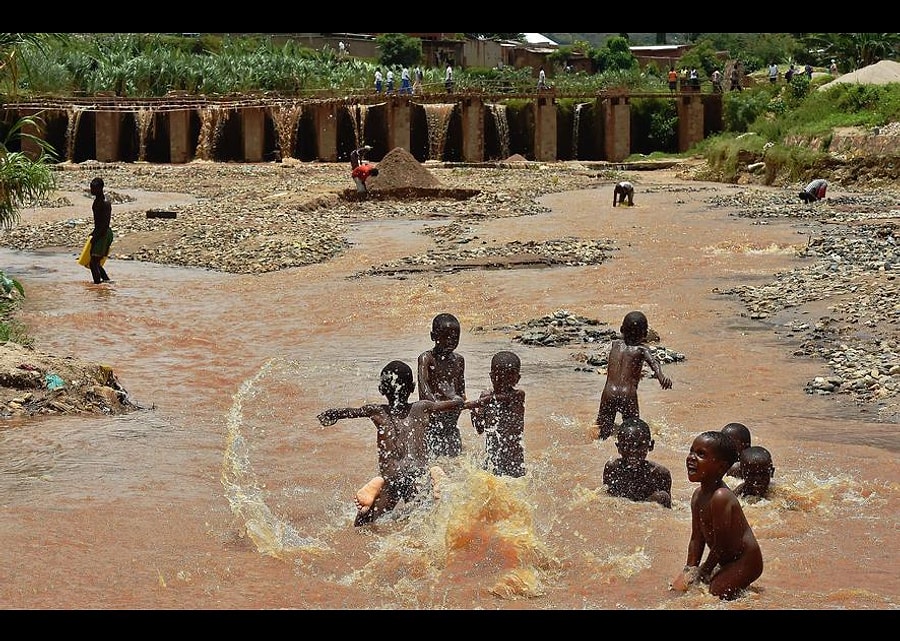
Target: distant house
column 663, row 56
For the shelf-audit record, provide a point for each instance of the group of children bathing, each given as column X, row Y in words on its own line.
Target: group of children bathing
column 411, row 435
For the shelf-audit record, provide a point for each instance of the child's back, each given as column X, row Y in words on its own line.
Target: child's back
column 624, row 371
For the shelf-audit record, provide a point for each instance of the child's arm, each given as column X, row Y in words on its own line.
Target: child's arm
column 331, row 416
column 476, row 406
column 664, row 381
column 691, row 571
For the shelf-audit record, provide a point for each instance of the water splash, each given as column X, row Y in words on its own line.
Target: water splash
column 243, row 490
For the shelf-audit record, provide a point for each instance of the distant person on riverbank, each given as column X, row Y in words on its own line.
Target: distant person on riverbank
column 102, row 234
column 542, row 80
column 717, row 81
column 814, row 191
column 740, row 437
column 735, row 80
column 418, row 77
column 673, row 79
column 832, row 69
column 757, row 471
column 448, row 78
column 632, row 476
column 400, row 437
column 405, row 83
column 499, row 414
column 717, row 521
column 624, row 372
column 389, row 81
column 621, row 191
column 441, row 373
column 360, row 175
column 378, row 80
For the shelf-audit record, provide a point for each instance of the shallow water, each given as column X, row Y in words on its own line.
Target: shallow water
column 226, row 493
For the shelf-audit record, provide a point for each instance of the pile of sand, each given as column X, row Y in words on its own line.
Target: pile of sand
column 400, row 170
column 881, row 73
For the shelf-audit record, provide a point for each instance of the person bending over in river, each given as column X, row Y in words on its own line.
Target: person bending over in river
column 621, row 191
column 717, row 522
column 624, row 371
column 402, row 456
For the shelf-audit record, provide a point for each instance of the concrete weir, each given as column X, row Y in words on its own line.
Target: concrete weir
column 460, row 127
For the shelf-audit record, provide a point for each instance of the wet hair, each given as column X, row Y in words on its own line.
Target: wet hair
column 398, row 376
column 506, row 360
column 636, row 426
column 97, row 183
column 444, row 320
column 634, row 327
column 723, row 446
column 374, row 171
column 738, row 433
column 755, row 455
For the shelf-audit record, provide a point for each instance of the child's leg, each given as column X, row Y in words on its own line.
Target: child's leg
column 366, row 495
column 733, row 578
column 437, row 477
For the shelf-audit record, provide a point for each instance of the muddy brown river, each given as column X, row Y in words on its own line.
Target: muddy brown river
column 226, row 493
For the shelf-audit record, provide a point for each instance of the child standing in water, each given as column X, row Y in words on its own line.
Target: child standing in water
column 442, row 377
column 499, row 414
column 717, row 521
column 402, row 457
column 624, row 371
column 756, row 470
column 632, row 476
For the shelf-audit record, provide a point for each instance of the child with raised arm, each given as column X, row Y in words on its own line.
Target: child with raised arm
column 402, row 457
column 499, row 414
column 624, row 371
column 632, row 476
column 740, row 437
column 717, row 521
column 441, row 373
column 756, row 470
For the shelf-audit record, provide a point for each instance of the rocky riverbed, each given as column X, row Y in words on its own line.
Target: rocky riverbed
column 260, row 218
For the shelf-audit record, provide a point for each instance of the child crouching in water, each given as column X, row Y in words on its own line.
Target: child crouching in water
column 402, row 454
column 718, row 522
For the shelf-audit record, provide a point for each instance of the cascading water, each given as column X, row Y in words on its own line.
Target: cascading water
column 285, row 119
column 438, row 118
column 576, row 121
column 72, row 131
column 143, row 121
column 212, row 120
column 498, row 111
